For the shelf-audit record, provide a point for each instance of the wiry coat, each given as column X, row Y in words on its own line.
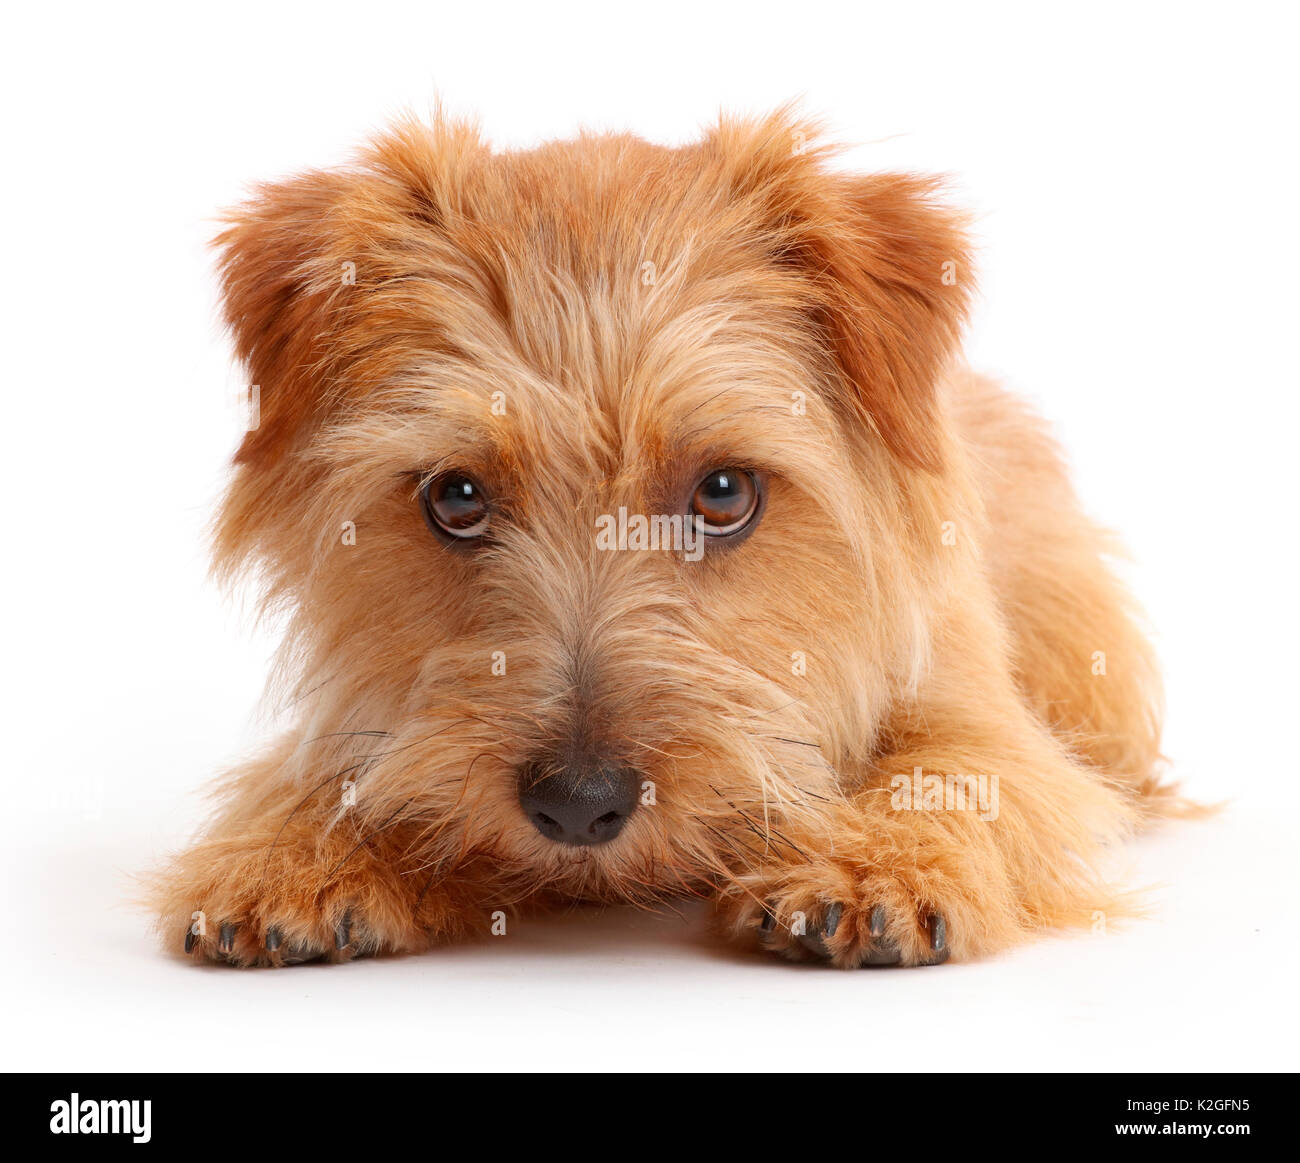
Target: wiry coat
column 594, row 324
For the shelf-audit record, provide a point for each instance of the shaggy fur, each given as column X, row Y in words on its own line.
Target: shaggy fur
column 921, row 591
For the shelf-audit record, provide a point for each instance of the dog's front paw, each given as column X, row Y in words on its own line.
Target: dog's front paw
column 253, row 941
column 243, row 917
column 239, row 903
column 845, row 917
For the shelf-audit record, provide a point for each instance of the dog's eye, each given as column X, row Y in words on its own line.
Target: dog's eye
column 727, row 500
column 455, row 506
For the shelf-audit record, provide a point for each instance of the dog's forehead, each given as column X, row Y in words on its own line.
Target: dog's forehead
column 596, row 311
column 627, row 306
column 700, row 385
column 602, row 313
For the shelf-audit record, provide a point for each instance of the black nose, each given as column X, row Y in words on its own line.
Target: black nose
column 579, row 802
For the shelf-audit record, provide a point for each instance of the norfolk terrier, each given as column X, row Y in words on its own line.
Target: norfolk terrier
column 640, row 535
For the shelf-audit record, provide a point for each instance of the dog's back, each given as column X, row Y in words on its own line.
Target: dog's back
column 1081, row 657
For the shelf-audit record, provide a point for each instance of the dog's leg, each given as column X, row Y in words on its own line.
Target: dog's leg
column 282, row 877
column 1042, row 698
column 903, row 871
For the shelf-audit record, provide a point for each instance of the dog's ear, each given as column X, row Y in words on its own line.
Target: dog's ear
column 893, row 268
column 887, row 263
column 282, row 272
column 301, row 260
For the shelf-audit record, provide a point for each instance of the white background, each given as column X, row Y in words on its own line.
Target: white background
column 1133, row 168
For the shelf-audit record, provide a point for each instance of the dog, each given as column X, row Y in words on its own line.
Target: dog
column 640, row 534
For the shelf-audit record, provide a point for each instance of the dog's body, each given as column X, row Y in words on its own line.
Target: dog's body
column 471, row 368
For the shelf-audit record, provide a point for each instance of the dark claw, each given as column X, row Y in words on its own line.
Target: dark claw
column 189, row 940
column 226, row 942
column 273, row 938
column 768, row 923
column 343, row 932
column 938, row 939
column 833, row 915
column 882, row 952
column 878, row 920
column 816, row 942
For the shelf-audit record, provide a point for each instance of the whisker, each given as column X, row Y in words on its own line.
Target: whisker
column 342, row 734
column 297, row 807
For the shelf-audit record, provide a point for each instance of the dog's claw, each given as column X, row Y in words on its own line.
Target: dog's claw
column 282, row 954
column 189, row 940
column 768, row 923
column 882, row 952
column 832, row 922
column 938, row 939
column 815, row 942
column 226, row 940
column 877, row 923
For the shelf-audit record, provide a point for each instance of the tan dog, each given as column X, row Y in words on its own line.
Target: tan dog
column 642, row 537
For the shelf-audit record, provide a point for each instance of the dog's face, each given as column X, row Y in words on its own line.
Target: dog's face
column 603, row 482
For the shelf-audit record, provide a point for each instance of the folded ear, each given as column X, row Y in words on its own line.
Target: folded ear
column 893, row 268
column 302, row 266
column 887, row 264
column 282, row 267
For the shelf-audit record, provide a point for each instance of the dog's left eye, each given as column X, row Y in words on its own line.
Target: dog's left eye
column 727, row 500
column 455, row 506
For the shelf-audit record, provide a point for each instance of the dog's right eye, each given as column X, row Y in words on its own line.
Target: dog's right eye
column 726, row 501
column 455, row 506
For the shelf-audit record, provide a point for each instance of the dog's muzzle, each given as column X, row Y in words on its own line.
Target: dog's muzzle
column 581, row 803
